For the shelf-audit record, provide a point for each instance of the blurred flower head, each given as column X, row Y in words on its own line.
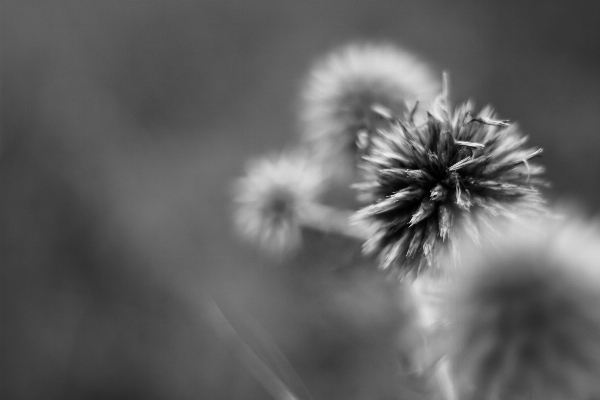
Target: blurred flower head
column 525, row 315
column 341, row 90
column 430, row 183
column 272, row 198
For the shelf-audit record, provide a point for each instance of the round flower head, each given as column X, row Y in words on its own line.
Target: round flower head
column 524, row 317
column 271, row 201
column 428, row 183
column 341, row 91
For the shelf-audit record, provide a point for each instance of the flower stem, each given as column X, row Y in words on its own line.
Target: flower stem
column 331, row 220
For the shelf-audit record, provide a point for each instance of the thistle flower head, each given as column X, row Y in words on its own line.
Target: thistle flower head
column 342, row 89
column 524, row 320
column 272, row 198
column 428, row 183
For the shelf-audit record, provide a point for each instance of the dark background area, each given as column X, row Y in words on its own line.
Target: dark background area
column 123, row 124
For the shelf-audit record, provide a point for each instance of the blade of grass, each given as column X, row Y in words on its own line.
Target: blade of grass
column 276, row 357
column 271, row 382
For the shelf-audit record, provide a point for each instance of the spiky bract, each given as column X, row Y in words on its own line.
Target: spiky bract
column 341, row 90
column 525, row 315
column 272, row 198
column 430, row 182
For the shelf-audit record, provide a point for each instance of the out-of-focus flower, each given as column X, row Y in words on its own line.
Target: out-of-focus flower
column 524, row 317
column 430, row 183
column 272, row 199
column 339, row 95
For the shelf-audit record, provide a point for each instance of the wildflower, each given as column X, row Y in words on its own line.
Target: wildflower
column 429, row 183
column 342, row 90
column 272, row 200
column 525, row 315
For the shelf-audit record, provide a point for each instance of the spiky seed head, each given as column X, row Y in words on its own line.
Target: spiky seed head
column 429, row 183
column 524, row 315
column 349, row 93
column 272, row 198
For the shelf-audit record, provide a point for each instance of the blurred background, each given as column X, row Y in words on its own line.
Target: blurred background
column 123, row 124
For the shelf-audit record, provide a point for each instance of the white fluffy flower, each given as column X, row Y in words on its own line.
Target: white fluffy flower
column 525, row 323
column 272, row 198
column 342, row 88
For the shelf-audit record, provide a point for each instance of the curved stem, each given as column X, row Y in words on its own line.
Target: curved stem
column 426, row 296
column 331, row 220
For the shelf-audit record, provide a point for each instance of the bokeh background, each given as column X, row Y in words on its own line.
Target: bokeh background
column 123, row 124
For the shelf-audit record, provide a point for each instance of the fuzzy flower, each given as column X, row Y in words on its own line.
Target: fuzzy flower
column 272, row 199
column 525, row 315
column 342, row 89
column 429, row 183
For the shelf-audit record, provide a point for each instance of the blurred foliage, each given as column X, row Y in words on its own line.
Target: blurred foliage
column 122, row 126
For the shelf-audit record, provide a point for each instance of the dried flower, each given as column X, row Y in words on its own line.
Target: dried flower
column 337, row 102
column 428, row 183
column 272, row 199
column 525, row 315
